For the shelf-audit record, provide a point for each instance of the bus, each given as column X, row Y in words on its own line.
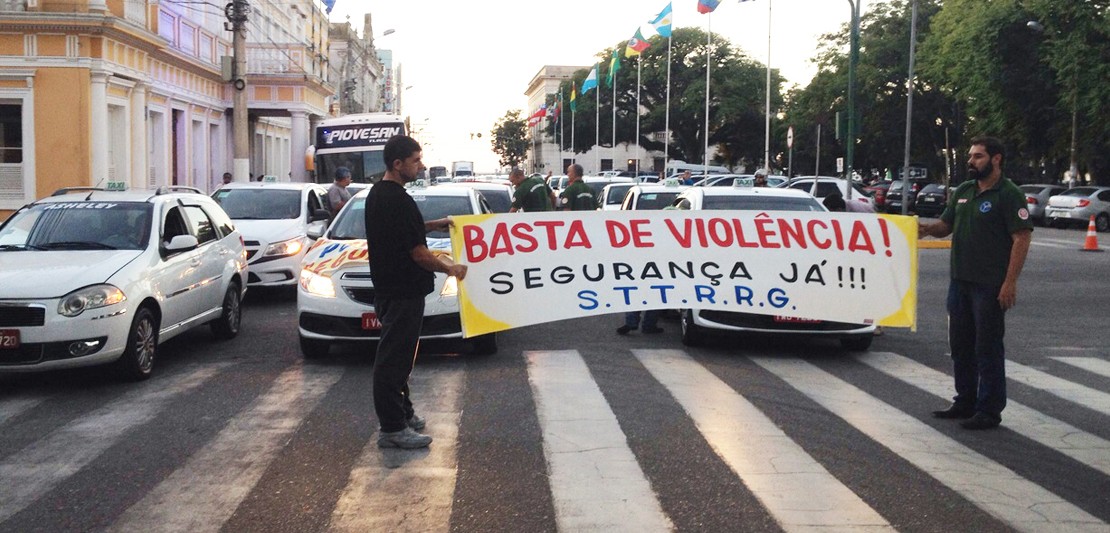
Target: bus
column 356, row 142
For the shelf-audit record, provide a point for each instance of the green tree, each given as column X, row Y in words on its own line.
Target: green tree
column 509, row 139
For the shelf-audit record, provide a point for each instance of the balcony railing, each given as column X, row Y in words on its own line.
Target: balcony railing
column 13, row 5
column 277, row 59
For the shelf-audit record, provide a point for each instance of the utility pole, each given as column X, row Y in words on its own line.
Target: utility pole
column 236, row 12
column 853, row 60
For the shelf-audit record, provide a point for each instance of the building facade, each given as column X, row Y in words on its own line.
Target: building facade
column 357, row 72
column 98, row 91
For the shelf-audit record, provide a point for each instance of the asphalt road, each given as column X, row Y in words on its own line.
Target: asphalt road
column 571, row 427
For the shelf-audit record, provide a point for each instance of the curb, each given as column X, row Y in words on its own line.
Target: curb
column 934, row 244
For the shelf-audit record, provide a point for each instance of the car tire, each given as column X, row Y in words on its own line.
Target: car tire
column 315, row 348
column 692, row 334
column 484, row 344
column 137, row 361
column 857, row 343
column 1102, row 222
column 231, row 314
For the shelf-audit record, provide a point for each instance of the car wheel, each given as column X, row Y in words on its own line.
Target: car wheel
column 692, row 334
column 857, row 343
column 314, row 348
column 137, row 361
column 484, row 344
column 1102, row 223
column 227, row 326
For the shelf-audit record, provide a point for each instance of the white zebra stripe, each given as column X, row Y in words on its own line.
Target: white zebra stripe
column 792, row 485
column 1072, row 392
column 1093, row 365
column 12, row 408
column 33, row 471
column 596, row 483
column 1018, row 502
column 1069, row 440
column 204, row 493
column 408, row 490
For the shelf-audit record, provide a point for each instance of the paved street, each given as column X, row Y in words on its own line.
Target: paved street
column 570, row 427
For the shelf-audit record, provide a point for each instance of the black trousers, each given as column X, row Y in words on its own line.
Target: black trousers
column 401, row 320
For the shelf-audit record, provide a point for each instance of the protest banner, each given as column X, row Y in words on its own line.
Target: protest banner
column 530, row 268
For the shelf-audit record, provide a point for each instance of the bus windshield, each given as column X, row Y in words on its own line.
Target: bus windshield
column 365, row 166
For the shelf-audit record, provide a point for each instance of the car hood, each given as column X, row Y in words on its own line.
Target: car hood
column 270, row 230
column 326, row 256
column 56, row 273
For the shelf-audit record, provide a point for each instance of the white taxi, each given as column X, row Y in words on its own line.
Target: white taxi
column 91, row 277
column 335, row 296
column 650, row 196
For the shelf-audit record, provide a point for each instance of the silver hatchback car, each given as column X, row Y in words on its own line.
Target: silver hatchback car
column 1037, row 195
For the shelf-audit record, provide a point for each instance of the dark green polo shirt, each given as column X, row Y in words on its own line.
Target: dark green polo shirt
column 983, row 224
column 532, row 195
column 578, row 197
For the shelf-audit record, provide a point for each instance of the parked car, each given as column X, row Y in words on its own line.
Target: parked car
column 335, row 295
column 597, row 183
column 697, row 323
column 745, row 180
column 1036, row 196
column 498, row 195
column 557, row 183
column 877, row 191
column 826, row 185
column 1076, row 206
column 893, row 203
column 931, row 201
column 275, row 220
column 652, row 195
column 94, row 277
column 612, row 195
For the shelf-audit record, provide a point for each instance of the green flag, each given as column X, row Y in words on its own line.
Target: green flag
column 614, row 66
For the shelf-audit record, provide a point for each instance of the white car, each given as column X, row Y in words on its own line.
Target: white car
column 498, row 195
column 828, row 185
column 275, row 220
column 612, row 196
column 696, row 323
column 95, row 277
column 653, row 196
column 596, row 183
column 335, row 296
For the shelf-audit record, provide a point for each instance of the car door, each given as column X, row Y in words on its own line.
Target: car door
column 212, row 259
column 178, row 274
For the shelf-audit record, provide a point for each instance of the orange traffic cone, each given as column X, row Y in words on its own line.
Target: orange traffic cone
column 1091, row 244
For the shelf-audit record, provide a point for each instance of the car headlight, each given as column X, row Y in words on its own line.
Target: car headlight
column 450, row 287
column 283, row 248
column 317, row 285
column 91, row 297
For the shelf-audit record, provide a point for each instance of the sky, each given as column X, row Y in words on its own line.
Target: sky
column 465, row 63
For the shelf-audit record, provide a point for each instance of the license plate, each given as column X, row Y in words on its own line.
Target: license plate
column 9, row 339
column 370, row 321
column 795, row 320
column 930, row 199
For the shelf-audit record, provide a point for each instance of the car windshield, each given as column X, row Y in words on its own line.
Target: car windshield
column 499, row 200
column 1079, row 191
column 656, row 200
column 259, row 204
column 933, row 187
column 79, row 226
column 616, row 194
column 366, row 166
column 761, row 203
column 351, row 223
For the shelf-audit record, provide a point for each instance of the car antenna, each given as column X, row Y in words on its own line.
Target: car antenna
column 89, row 197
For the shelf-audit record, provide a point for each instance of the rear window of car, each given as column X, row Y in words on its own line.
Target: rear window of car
column 1079, row 191
column 655, row 200
column 766, row 203
column 259, row 204
column 499, row 201
column 1032, row 188
column 79, row 226
column 351, row 223
column 616, row 193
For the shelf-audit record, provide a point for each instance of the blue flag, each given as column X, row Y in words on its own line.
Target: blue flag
column 591, row 81
column 328, row 4
column 662, row 22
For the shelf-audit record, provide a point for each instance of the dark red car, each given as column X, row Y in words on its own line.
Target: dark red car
column 878, row 191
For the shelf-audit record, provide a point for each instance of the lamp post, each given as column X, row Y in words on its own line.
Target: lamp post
column 853, row 59
column 1073, row 168
column 909, row 113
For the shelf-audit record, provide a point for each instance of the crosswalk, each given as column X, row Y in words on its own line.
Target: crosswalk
column 594, row 465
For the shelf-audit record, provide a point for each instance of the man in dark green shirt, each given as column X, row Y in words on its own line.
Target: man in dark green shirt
column 991, row 230
column 531, row 194
column 577, row 196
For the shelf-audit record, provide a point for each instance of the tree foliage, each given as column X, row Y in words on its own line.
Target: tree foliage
column 509, row 139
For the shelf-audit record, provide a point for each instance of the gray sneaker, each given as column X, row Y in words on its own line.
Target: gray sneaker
column 417, row 422
column 406, row 438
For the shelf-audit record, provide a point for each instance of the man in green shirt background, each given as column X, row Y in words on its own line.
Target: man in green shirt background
column 991, row 231
column 531, row 194
column 577, row 196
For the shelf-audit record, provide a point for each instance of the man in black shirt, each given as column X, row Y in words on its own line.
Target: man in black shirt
column 402, row 269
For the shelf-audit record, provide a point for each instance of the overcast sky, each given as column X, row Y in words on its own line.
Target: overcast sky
column 468, row 62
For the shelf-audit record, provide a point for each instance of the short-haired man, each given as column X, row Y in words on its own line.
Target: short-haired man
column 577, row 196
column 402, row 269
column 227, row 178
column 531, row 194
column 760, row 179
column 991, row 230
column 338, row 195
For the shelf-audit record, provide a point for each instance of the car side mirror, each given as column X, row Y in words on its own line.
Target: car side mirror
column 320, row 214
column 181, row 243
column 315, row 231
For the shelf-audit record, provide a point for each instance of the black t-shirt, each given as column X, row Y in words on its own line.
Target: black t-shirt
column 394, row 227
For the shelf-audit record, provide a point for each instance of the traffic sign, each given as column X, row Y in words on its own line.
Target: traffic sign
column 840, row 164
column 790, row 137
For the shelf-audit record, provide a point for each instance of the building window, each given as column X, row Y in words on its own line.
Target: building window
column 11, row 133
column 17, row 161
column 606, row 164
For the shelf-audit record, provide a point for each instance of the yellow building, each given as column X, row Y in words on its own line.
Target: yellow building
column 93, row 91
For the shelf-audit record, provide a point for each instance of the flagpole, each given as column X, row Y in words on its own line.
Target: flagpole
column 613, row 149
column 597, row 128
column 667, row 113
column 767, row 112
column 573, row 152
column 708, row 52
column 638, row 148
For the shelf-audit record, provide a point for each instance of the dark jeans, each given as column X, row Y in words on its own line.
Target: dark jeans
column 976, row 325
column 632, row 319
column 401, row 320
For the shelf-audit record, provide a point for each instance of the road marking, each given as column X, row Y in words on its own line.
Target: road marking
column 12, row 408
column 1073, row 392
column 791, row 484
column 408, row 490
column 201, row 495
column 1093, row 365
column 33, row 471
column 1069, row 440
column 596, row 483
column 1056, row 245
column 1018, row 502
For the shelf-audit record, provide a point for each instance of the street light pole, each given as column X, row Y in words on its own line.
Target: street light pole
column 853, row 59
column 909, row 113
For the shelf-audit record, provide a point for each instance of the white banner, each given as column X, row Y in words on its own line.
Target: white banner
column 529, row 268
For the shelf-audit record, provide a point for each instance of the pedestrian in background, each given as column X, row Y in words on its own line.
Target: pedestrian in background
column 632, row 321
column 338, row 195
column 991, row 231
column 402, row 270
column 577, row 196
column 227, row 178
column 686, row 178
column 530, row 194
column 760, row 179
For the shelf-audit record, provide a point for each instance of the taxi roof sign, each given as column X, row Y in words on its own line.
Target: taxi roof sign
column 117, row 186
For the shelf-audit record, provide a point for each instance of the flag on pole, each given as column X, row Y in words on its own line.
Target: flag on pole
column 537, row 117
column 636, row 45
column 662, row 22
column 573, row 93
column 328, row 5
column 707, row 6
column 614, row 66
column 555, row 108
column 591, row 81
